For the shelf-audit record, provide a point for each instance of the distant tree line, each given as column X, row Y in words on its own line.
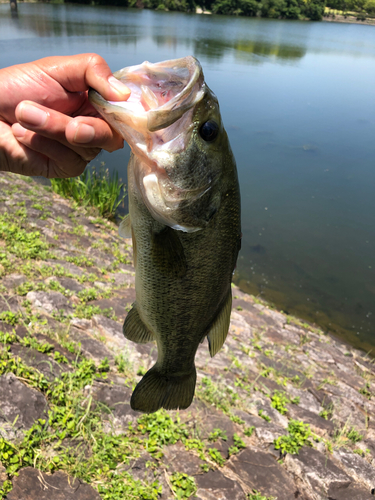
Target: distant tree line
column 277, row 9
column 367, row 6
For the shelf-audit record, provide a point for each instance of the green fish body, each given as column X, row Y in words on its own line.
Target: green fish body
column 184, row 219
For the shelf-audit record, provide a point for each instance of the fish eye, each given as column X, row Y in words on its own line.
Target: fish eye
column 209, row 131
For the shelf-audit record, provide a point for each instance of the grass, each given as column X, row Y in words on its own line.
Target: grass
column 96, row 188
column 70, row 417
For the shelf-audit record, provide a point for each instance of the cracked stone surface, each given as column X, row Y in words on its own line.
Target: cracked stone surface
column 32, row 484
column 21, row 406
column 318, row 474
column 215, row 485
column 260, row 471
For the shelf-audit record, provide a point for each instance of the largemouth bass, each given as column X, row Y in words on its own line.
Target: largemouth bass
column 184, row 220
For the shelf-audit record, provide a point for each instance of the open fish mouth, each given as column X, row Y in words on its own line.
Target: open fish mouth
column 157, row 122
column 161, row 94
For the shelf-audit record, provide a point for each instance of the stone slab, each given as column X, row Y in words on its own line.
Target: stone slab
column 260, row 471
column 215, row 486
column 32, row 484
column 39, row 360
column 20, row 402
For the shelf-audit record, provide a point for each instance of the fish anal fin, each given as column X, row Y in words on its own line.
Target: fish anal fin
column 134, row 329
column 125, row 227
column 219, row 328
column 168, row 253
column 157, row 390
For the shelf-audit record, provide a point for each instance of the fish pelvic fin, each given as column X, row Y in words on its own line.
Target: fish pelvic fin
column 134, row 329
column 219, row 328
column 158, row 390
column 125, row 227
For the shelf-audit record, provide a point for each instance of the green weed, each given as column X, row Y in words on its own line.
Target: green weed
column 238, row 445
column 216, row 456
column 217, row 434
column 248, row 431
column 256, row 495
column 183, row 486
column 24, row 243
column 354, row 435
column 96, row 188
column 299, row 434
column 264, row 416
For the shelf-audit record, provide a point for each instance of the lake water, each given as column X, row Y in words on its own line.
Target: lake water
column 298, row 102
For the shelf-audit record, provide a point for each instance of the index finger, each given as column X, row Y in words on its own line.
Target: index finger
column 78, row 73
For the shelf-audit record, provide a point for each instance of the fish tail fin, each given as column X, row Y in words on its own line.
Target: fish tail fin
column 157, row 390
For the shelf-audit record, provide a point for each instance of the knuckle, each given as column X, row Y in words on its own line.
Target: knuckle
column 95, row 60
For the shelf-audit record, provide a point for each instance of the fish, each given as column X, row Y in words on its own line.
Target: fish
column 184, row 220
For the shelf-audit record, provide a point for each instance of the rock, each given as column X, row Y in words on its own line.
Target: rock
column 57, row 347
column 115, row 304
column 356, row 467
column 49, row 301
column 124, row 279
column 42, row 362
column 117, row 400
column 13, row 280
column 3, row 474
column 350, row 492
column 266, row 432
column 70, row 284
column 20, row 405
column 317, row 474
column 260, row 471
column 263, row 405
column 307, row 400
column 215, row 486
column 111, row 330
column 20, row 330
column 91, row 347
column 8, row 303
column 318, row 424
column 32, row 484
column 139, row 470
column 209, row 420
column 182, row 461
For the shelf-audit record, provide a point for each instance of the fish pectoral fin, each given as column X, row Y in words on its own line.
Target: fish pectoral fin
column 158, row 390
column 125, row 227
column 168, row 254
column 134, row 329
column 219, row 328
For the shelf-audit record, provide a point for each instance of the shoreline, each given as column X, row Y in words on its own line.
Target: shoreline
column 338, row 17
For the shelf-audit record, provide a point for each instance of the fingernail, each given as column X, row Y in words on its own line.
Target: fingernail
column 32, row 115
column 119, row 87
column 84, row 133
column 18, row 130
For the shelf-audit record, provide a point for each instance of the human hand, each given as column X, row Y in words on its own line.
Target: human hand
column 47, row 125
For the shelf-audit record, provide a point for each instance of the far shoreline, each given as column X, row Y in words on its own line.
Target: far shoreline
column 337, row 19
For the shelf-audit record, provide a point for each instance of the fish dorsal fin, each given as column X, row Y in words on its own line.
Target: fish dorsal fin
column 219, row 328
column 134, row 329
column 168, row 253
column 125, row 228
